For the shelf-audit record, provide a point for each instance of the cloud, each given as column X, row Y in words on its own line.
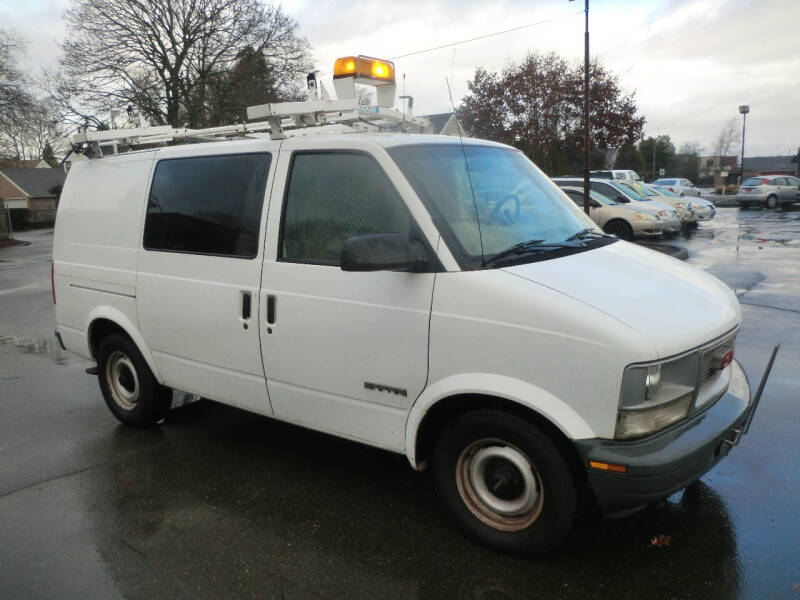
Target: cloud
column 690, row 62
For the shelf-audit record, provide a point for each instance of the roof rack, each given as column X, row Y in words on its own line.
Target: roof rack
column 317, row 114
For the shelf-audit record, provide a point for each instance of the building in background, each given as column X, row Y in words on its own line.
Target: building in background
column 770, row 165
column 718, row 172
column 23, row 164
column 445, row 124
column 31, row 194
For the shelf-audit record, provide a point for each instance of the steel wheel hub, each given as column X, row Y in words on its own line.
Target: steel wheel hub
column 499, row 485
column 122, row 380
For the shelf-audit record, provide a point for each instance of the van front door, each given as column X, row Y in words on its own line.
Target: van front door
column 344, row 352
column 199, row 274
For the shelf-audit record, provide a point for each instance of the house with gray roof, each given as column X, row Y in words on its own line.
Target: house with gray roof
column 30, row 195
column 770, row 165
column 444, row 124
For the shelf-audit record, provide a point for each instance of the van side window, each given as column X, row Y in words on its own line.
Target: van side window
column 332, row 196
column 207, row 205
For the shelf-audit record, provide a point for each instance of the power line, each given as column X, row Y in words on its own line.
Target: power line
column 488, row 35
column 698, row 124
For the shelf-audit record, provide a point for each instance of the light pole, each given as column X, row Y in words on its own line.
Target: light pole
column 743, row 110
column 586, row 110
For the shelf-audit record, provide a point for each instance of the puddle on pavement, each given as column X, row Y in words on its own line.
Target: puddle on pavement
column 39, row 345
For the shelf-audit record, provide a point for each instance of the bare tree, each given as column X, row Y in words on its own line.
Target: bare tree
column 164, row 56
column 29, row 130
column 727, row 138
column 687, row 161
column 12, row 82
column 691, row 148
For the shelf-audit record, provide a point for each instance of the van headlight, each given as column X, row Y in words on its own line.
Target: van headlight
column 656, row 395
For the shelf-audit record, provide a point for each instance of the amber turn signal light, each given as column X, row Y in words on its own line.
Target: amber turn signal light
column 608, row 467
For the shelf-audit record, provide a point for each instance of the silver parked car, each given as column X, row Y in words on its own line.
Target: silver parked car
column 682, row 205
column 682, row 187
column 769, row 190
column 625, row 194
column 704, row 209
column 621, row 220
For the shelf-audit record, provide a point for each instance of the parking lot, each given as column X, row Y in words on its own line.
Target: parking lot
column 221, row 503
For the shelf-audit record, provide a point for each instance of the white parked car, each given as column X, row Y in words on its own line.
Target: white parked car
column 371, row 287
column 682, row 187
column 621, row 220
column 626, row 175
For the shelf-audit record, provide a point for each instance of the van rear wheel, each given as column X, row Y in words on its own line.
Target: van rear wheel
column 504, row 482
column 129, row 388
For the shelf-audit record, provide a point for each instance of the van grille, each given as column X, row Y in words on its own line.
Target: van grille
column 711, row 359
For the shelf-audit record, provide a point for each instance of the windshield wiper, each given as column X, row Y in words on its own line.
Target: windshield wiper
column 525, row 247
column 585, row 233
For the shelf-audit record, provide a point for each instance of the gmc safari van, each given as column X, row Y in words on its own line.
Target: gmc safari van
column 435, row 298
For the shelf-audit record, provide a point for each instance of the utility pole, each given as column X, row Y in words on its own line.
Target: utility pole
column 586, row 110
column 654, row 159
column 743, row 110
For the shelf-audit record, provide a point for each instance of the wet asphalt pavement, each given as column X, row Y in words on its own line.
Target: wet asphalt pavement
column 221, row 503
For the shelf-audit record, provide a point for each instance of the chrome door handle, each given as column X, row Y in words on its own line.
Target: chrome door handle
column 272, row 305
column 246, row 305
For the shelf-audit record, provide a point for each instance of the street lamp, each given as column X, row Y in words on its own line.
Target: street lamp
column 743, row 110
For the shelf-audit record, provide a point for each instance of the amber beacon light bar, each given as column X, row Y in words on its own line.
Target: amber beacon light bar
column 365, row 70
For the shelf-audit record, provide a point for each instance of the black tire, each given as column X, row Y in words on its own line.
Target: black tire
column 772, row 201
column 486, row 439
column 619, row 228
column 129, row 388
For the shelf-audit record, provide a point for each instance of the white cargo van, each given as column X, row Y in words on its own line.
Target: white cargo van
column 435, row 298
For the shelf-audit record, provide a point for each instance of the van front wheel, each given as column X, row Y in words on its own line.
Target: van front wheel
column 129, row 388
column 504, row 482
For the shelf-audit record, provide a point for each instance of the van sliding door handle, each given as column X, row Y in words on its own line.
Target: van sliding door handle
column 272, row 303
column 246, row 305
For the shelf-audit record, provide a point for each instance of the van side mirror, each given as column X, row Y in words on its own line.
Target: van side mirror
column 383, row 252
column 594, row 203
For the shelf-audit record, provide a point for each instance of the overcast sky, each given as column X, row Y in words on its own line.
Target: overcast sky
column 690, row 62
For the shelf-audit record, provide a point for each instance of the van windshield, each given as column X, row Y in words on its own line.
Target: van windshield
column 501, row 201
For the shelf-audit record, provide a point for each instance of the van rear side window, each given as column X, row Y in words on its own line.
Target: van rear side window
column 207, row 205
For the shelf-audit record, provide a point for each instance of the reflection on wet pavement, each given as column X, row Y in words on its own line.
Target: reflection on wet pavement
column 221, row 503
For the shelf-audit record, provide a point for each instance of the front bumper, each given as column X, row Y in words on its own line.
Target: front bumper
column 672, row 225
column 705, row 214
column 647, row 228
column 751, row 198
column 664, row 463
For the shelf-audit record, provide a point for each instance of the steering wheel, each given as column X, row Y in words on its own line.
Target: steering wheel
column 505, row 217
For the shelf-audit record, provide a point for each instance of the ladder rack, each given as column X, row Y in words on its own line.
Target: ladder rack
column 281, row 120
